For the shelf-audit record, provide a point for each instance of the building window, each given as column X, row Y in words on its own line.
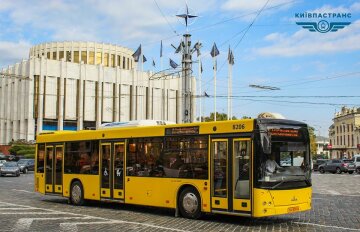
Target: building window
column 48, row 55
column 76, row 57
column 124, row 66
column 119, row 61
column 106, row 59
column 348, row 127
column 68, row 56
column 128, row 63
column 84, row 57
column 113, row 60
column 91, row 57
column 98, row 58
column 54, row 56
column 348, row 141
column 352, row 140
column 36, row 96
column 61, row 55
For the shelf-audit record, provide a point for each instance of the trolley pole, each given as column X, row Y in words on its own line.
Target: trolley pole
column 186, row 80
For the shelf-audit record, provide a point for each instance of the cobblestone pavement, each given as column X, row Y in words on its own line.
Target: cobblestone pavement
column 336, row 207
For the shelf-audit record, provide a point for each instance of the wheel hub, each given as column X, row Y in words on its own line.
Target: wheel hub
column 76, row 194
column 190, row 203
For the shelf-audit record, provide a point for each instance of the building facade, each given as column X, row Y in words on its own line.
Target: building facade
column 322, row 146
column 344, row 133
column 80, row 85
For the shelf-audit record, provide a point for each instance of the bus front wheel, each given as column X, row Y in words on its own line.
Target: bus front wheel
column 190, row 203
column 77, row 193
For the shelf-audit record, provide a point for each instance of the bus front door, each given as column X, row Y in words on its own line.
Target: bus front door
column 231, row 170
column 53, row 169
column 112, row 174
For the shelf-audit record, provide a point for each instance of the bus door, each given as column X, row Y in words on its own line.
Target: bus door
column 53, row 168
column 112, row 166
column 231, row 169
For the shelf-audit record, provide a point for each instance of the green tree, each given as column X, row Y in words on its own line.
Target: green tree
column 312, row 136
column 219, row 117
column 22, row 148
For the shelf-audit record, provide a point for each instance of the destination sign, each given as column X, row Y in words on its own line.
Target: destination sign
column 284, row 132
column 194, row 130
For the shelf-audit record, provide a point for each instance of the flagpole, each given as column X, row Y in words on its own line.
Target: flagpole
column 228, row 96
column 214, row 58
column 200, row 90
column 163, row 90
column 141, row 89
column 231, row 98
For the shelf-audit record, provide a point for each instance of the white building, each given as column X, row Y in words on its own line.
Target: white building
column 77, row 85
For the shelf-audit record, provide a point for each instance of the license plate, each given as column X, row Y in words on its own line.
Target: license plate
column 293, row 209
column 351, row 166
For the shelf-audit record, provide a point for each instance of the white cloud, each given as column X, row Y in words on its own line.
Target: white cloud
column 12, row 52
column 250, row 6
column 304, row 42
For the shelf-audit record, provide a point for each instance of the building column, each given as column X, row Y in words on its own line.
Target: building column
column 80, row 117
column 2, row 109
column 61, row 96
column 15, row 108
column 99, row 96
column 8, row 107
column 28, row 91
column 41, row 96
column 116, row 110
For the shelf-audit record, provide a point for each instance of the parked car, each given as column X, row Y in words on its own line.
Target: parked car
column 317, row 163
column 10, row 168
column 2, row 162
column 337, row 166
column 26, row 165
column 356, row 160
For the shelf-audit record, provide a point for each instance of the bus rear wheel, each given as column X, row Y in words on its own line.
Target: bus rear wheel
column 190, row 203
column 77, row 193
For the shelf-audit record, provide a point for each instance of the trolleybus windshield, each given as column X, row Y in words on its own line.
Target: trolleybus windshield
column 284, row 160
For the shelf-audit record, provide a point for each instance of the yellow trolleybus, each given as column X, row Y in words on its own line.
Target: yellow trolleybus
column 224, row 167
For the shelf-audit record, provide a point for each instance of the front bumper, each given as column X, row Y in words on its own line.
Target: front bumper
column 12, row 173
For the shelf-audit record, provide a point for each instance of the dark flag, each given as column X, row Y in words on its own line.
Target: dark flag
column 173, row 64
column 178, row 49
column 153, row 63
column 197, row 47
column 231, row 57
column 160, row 49
column 201, row 68
column 137, row 54
column 206, row 95
column 144, row 59
column 214, row 51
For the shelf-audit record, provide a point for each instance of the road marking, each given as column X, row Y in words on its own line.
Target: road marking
column 342, row 195
column 72, row 226
column 23, row 213
column 332, row 192
column 20, row 190
column 336, row 227
column 24, row 224
column 16, row 208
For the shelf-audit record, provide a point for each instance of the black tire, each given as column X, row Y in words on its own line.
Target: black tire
column 321, row 170
column 18, row 174
column 77, row 193
column 351, row 172
column 358, row 170
column 25, row 170
column 190, row 203
column 338, row 171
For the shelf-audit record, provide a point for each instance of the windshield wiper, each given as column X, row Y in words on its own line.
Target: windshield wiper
column 278, row 184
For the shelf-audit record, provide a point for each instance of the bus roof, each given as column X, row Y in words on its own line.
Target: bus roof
column 231, row 126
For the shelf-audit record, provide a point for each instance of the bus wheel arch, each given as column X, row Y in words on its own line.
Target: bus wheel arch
column 77, row 192
column 189, row 202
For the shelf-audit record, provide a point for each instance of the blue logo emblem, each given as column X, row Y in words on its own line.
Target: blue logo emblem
column 323, row 26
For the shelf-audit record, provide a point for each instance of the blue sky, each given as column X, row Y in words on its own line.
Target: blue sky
column 308, row 67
